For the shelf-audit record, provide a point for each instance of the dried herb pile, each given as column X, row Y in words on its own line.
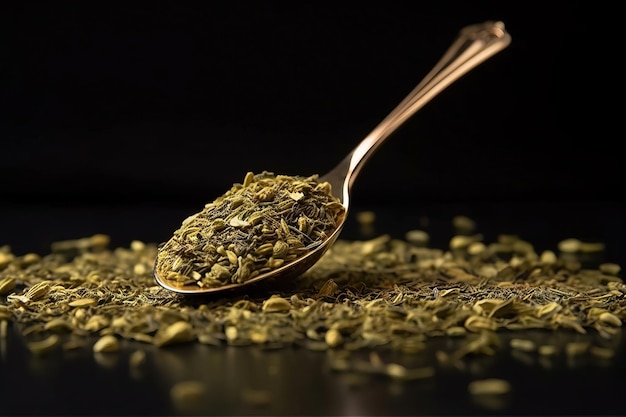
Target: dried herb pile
column 382, row 292
column 255, row 227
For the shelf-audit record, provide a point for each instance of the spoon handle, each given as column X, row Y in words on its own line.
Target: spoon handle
column 474, row 44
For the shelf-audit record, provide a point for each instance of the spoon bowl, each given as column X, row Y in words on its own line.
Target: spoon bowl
column 473, row 45
column 289, row 270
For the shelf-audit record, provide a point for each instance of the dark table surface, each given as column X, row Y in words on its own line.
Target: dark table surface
column 300, row 381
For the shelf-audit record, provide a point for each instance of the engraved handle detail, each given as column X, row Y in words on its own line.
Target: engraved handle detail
column 474, row 44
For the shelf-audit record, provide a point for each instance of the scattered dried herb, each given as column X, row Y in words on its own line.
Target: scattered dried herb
column 380, row 292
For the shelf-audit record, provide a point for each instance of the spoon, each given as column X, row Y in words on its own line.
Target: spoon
column 474, row 44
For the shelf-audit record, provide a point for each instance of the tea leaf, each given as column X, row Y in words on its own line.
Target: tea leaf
column 108, row 343
column 490, row 386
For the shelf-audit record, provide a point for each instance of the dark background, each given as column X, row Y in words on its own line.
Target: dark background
column 172, row 102
column 125, row 117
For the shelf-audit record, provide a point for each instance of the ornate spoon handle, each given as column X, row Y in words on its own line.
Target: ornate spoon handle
column 474, row 44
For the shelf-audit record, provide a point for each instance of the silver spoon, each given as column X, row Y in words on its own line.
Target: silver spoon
column 473, row 45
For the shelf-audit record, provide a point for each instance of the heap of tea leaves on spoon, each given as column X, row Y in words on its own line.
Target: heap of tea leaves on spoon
column 255, row 227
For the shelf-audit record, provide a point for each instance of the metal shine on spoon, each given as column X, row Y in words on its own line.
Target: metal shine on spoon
column 473, row 45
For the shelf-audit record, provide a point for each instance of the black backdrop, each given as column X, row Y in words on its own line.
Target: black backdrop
column 174, row 101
